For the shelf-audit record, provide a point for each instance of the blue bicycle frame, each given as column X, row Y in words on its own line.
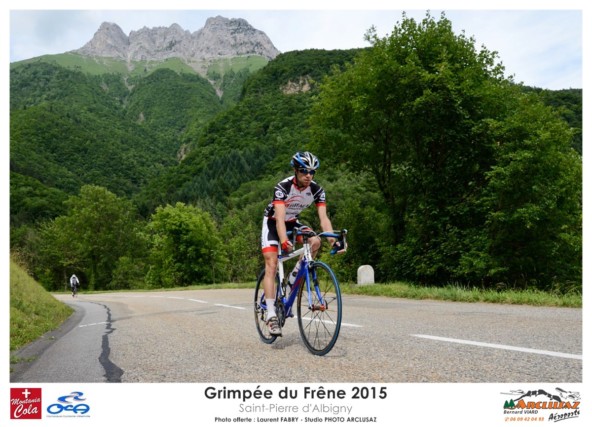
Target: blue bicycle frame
column 303, row 275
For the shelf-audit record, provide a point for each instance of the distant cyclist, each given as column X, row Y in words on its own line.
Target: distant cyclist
column 74, row 284
column 290, row 197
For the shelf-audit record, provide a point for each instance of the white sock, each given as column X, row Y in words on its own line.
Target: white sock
column 270, row 308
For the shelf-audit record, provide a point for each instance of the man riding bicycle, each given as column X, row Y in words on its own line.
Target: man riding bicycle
column 291, row 196
column 74, row 283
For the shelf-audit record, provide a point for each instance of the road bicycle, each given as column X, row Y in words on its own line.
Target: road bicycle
column 315, row 291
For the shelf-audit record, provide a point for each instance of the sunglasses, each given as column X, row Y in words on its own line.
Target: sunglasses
column 307, row 171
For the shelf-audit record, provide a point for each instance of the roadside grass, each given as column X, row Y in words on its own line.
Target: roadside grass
column 33, row 310
column 465, row 294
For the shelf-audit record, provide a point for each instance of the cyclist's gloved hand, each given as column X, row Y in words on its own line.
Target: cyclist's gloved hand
column 338, row 247
column 286, row 246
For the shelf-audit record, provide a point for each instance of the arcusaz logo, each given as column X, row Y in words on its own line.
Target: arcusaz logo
column 70, row 405
column 25, row 403
column 541, row 405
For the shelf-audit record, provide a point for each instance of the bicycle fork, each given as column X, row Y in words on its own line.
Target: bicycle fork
column 313, row 286
column 307, row 277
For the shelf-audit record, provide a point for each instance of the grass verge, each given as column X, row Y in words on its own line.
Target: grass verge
column 33, row 311
column 465, row 294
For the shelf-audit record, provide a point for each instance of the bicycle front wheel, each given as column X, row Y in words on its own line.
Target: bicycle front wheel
column 319, row 317
column 261, row 311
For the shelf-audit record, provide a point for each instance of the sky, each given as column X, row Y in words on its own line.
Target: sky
column 541, row 48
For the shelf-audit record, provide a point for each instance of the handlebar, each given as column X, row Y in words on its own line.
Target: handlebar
column 341, row 243
column 308, row 232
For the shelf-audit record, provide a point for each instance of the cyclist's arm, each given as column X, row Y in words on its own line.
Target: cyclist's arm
column 325, row 221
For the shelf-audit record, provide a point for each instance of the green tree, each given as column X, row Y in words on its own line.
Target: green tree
column 353, row 203
column 241, row 235
column 533, row 201
column 408, row 111
column 186, row 247
column 98, row 229
column 418, row 111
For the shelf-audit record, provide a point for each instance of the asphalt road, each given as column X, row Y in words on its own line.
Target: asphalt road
column 209, row 336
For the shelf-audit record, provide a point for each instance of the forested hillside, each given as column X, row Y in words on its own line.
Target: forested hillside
column 154, row 180
column 254, row 139
column 68, row 129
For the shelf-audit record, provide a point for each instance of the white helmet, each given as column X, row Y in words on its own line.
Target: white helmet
column 305, row 160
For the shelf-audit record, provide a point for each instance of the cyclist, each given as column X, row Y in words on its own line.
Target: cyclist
column 291, row 196
column 74, row 283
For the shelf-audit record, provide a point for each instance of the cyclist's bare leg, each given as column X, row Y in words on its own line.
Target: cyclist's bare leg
column 315, row 245
column 271, row 262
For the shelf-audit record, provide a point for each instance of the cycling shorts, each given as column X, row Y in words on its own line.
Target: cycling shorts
column 269, row 235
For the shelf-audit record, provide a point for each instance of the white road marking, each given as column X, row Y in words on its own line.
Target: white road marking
column 503, row 347
column 92, row 324
column 229, row 306
column 352, row 325
column 198, row 300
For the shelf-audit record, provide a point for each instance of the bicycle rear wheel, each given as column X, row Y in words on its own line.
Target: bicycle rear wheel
column 319, row 319
column 261, row 311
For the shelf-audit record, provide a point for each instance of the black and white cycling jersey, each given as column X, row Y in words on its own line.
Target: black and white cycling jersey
column 294, row 198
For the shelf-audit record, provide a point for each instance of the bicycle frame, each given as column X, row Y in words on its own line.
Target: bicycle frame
column 303, row 272
column 302, row 277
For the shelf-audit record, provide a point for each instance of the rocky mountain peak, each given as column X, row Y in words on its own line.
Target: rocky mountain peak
column 220, row 21
column 109, row 41
column 219, row 38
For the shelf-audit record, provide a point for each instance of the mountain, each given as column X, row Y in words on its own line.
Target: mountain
column 220, row 38
column 224, row 52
